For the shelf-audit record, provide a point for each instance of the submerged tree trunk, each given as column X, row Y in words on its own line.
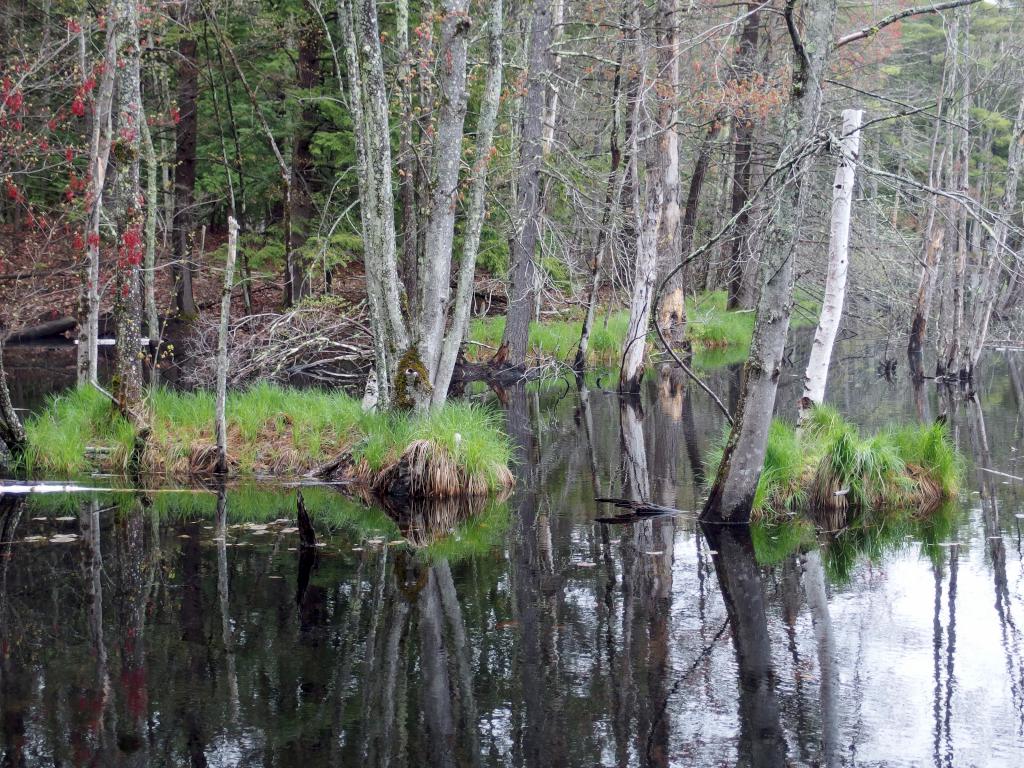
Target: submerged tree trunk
column 838, row 262
column 733, row 491
column 186, row 135
column 512, row 352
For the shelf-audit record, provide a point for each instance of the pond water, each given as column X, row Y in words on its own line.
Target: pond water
column 170, row 629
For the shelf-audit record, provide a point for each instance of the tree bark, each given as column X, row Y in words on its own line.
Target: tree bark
column 406, row 159
column 99, row 153
column 186, row 135
column 149, row 261
column 127, row 383
column 12, row 433
column 528, row 204
column 475, row 215
column 221, row 427
column 605, row 239
column 672, row 308
column 838, row 262
column 997, row 245
column 733, row 491
column 434, row 280
column 369, row 106
column 743, row 137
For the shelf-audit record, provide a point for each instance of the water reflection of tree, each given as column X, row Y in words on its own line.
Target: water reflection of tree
column 761, row 742
column 15, row 685
column 996, row 546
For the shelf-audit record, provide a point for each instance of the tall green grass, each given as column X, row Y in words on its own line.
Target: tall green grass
column 829, row 464
column 271, row 430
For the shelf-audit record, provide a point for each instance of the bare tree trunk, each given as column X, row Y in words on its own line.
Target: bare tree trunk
column 672, row 308
column 99, row 153
column 838, row 262
column 434, row 280
column 528, row 208
column 733, row 491
column 475, row 215
column 149, row 262
column 997, row 245
column 369, row 106
column 186, row 135
column 743, row 135
column 692, row 209
column 127, row 383
column 949, row 359
column 406, row 159
column 221, row 427
column 553, row 88
column 647, row 228
column 934, row 231
column 604, row 237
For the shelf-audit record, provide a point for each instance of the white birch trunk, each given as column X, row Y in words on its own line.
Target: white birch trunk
column 475, row 215
column 838, row 263
column 551, row 109
column 221, row 427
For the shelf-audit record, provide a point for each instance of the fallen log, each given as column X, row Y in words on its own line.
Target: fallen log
column 45, row 330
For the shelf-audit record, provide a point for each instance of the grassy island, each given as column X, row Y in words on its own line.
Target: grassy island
column 459, row 449
column 830, row 472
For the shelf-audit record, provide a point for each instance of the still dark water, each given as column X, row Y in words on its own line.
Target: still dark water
column 171, row 629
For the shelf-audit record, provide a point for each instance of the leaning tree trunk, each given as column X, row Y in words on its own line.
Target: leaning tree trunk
column 127, row 384
column 512, row 352
column 475, row 215
column 732, row 494
column 186, row 134
column 838, row 262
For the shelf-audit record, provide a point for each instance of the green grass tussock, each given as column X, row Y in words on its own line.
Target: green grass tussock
column 271, row 431
column 829, row 470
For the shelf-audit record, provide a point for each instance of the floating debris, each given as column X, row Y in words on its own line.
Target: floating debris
column 586, row 564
